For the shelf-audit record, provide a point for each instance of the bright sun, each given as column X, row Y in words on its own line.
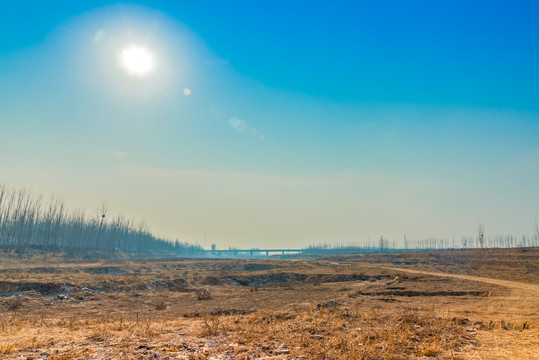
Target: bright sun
column 137, row 60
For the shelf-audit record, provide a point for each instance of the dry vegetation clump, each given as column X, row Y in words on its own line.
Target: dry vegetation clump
column 212, row 325
column 7, row 348
column 15, row 303
column 345, row 333
column 160, row 305
column 204, row 294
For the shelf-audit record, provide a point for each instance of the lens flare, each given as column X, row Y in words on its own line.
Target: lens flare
column 237, row 124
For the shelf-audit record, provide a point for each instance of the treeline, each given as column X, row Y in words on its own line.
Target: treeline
column 28, row 222
column 384, row 244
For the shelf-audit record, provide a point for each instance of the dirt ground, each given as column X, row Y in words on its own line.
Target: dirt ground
column 457, row 304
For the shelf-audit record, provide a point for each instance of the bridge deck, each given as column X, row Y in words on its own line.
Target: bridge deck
column 254, row 251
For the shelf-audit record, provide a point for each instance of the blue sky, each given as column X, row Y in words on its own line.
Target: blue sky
column 355, row 118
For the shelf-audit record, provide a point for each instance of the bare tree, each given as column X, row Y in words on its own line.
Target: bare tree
column 102, row 213
column 383, row 243
column 481, row 235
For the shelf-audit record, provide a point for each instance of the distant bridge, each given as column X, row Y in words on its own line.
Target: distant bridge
column 254, row 252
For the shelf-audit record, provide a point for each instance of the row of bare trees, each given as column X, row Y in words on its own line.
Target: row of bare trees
column 28, row 221
column 385, row 244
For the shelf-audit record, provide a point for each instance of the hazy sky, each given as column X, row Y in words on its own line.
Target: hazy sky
column 278, row 123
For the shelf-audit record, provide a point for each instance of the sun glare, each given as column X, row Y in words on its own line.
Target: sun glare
column 137, row 60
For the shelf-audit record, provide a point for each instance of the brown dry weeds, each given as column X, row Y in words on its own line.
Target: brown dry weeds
column 335, row 308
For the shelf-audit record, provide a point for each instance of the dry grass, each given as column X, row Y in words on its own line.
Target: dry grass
column 344, row 333
column 335, row 308
column 6, row 349
column 348, row 333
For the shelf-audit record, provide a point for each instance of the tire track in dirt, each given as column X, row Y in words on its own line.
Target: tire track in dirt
column 515, row 285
